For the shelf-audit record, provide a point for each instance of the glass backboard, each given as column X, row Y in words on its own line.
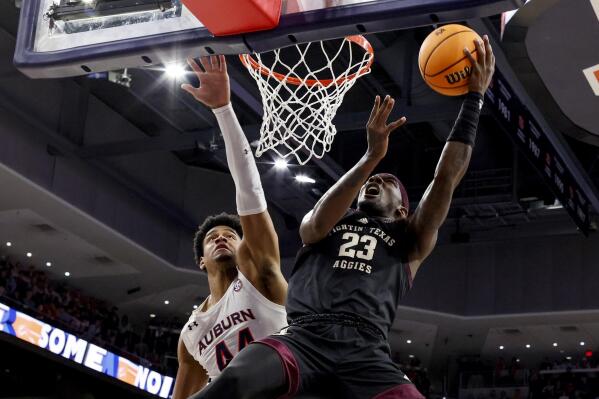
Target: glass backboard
column 59, row 38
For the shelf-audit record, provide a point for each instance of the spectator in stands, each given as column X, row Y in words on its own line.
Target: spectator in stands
column 141, row 348
column 514, row 368
column 500, row 370
column 28, row 300
column 424, row 386
column 535, row 386
column 125, row 327
column 93, row 331
column 111, row 321
column 124, row 338
column 549, row 389
column 584, row 363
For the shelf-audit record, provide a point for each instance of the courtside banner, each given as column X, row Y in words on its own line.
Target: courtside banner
column 80, row 351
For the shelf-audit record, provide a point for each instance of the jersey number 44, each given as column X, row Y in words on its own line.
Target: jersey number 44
column 224, row 355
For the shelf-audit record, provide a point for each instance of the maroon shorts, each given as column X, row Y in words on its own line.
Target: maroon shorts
column 338, row 361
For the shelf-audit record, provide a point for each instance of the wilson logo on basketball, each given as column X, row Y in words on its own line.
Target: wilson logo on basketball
column 458, row 76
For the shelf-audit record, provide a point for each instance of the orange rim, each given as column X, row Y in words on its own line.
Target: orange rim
column 357, row 39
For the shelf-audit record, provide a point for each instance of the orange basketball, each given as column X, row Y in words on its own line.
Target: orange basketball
column 442, row 62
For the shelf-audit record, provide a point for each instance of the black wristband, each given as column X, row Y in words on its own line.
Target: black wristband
column 464, row 129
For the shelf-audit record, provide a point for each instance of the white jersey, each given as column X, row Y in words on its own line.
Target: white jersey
column 241, row 316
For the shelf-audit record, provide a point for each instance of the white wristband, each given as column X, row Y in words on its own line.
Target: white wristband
column 242, row 165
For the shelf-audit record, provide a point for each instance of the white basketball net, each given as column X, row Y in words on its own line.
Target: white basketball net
column 299, row 110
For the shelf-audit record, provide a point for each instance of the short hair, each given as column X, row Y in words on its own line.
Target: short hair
column 223, row 219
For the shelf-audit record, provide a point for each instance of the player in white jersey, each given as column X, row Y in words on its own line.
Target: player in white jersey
column 240, row 255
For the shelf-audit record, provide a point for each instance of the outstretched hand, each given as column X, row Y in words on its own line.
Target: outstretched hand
column 377, row 128
column 483, row 66
column 214, row 91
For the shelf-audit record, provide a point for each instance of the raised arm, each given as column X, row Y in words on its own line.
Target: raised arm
column 191, row 376
column 336, row 201
column 455, row 158
column 258, row 254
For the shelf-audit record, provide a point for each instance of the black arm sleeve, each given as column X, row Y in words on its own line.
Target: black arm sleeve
column 464, row 129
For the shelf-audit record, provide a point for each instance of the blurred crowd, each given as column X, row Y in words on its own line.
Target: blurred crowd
column 31, row 291
column 563, row 378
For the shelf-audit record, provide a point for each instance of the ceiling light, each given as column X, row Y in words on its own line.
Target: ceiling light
column 48, row 264
column 281, row 163
column 527, row 346
column 409, row 341
column 29, row 254
column 569, row 357
column 518, row 360
column 501, row 347
column 555, row 344
column 175, row 71
column 8, row 243
column 305, row 179
column 581, row 343
column 166, row 302
column 152, row 315
column 411, row 356
column 195, row 306
column 67, row 274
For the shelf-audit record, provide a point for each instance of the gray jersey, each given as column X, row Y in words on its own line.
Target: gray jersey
column 360, row 268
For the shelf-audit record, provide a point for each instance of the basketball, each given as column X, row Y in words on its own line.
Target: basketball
column 442, row 62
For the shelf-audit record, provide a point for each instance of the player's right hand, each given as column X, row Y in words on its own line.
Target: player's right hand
column 214, row 91
column 483, row 67
column 377, row 128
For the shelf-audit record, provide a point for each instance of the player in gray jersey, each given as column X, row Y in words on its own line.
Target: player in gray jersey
column 354, row 268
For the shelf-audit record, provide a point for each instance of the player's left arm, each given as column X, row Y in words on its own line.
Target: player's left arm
column 432, row 211
column 258, row 254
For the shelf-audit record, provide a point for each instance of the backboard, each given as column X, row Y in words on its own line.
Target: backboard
column 59, row 38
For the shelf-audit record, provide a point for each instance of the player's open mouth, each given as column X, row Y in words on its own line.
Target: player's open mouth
column 221, row 246
column 372, row 190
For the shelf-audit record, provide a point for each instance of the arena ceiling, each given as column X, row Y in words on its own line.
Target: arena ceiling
column 499, row 192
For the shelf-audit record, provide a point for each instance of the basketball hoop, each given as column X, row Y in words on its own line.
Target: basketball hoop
column 299, row 103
